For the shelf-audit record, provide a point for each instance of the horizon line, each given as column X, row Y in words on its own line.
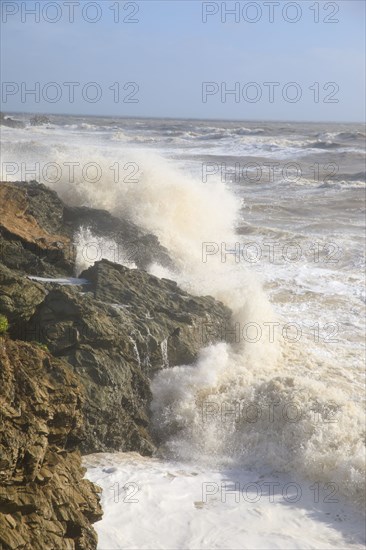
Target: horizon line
column 149, row 117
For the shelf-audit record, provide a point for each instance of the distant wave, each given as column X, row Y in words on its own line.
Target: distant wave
column 248, row 131
column 323, row 145
column 341, row 135
column 351, row 135
column 357, row 177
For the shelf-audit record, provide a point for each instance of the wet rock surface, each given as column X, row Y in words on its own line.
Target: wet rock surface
column 116, row 332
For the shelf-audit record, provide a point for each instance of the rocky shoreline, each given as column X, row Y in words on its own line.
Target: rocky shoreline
column 77, row 360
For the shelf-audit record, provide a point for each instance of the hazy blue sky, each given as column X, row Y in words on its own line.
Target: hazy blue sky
column 170, row 52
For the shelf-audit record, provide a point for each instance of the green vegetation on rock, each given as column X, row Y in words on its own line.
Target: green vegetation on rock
column 44, row 347
column 4, row 324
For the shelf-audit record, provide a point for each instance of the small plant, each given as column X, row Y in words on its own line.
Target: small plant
column 4, row 324
column 41, row 346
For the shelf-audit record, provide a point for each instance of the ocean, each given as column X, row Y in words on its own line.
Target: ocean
column 262, row 439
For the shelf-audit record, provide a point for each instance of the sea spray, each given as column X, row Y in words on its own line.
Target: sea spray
column 91, row 248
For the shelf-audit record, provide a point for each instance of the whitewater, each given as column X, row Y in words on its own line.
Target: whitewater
column 261, row 441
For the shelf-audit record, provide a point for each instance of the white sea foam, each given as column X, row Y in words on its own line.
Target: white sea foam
column 157, row 505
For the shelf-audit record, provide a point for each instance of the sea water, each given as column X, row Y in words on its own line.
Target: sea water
column 262, row 439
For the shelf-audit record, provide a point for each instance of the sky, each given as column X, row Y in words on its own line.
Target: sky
column 281, row 60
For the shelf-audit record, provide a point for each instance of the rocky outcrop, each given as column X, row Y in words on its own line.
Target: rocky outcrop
column 132, row 243
column 32, row 237
column 116, row 332
column 44, row 500
column 76, row 365
column 37, row 232
column 169, row 324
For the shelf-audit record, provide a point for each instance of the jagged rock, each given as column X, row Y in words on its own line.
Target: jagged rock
column 161, row 311
column 116, row 334
column 37, row 232
column 44, row 500
column 32, row 237
column 19, row 296
column 133, row 244
column 107, row 337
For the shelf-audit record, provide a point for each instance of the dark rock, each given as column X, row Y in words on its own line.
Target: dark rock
column 133, row 244
column 160, row 309
column 116, row 335
column 37, row 232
